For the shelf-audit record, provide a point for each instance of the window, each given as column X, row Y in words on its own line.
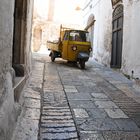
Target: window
column 79, row 36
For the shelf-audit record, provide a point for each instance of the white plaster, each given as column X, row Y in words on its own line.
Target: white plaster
column 102, row 10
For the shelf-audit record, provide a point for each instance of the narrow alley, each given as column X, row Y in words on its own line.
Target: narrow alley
column 69, row 70
column 93, row 104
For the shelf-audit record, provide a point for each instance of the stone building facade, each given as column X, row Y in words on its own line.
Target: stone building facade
column 15, row 59
column 115, row 34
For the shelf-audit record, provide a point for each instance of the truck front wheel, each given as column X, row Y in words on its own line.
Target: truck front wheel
column 52, row 55
column 82, row 64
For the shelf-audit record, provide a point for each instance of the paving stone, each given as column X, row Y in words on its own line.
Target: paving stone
column 90, row 135
column 59, row 129
column 54, row 88
column 81, row 104
column 115, row 113
column 89, row 83
column 54, row 97
column 137, row 121
column 127, row 125
column 47, row 121
column 137, row 99
column 54, row 104
column 57, row 125
column 128, row 92
column 96, row 113
column 78, row 96
column 83, row 77
column 34, row 95
column 70, row 89
column 56, row 113
column 111, row 87
column 88, row 89
column 72, row 83
column 117, row 96
column 96, row 124
column 100, row 96
column 35, row 84
column 32, row 103
column 31, row 90
column 50, row 90
column 32, row 113
column 61, row 109
column 48, row 117
column 106, row 104
column 27, row 129
column 121, row 135
column 80, row 113
column 115, row 82
column 59, row 136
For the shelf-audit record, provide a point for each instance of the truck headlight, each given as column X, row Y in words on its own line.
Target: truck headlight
column 74, row 47
column 90, row 49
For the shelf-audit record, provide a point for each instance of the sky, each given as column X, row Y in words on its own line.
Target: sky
column 64, row 10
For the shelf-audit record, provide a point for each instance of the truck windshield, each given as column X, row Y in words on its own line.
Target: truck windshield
column 79, row 36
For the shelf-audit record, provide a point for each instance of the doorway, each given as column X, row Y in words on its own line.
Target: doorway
column 117, row 37
column 19, row 37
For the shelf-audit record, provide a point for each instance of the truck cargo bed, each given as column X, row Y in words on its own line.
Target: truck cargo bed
column 53, row 46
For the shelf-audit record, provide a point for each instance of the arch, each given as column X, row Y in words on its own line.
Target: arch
column 118, row 11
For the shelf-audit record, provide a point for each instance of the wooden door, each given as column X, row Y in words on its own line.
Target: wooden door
column 117, row 35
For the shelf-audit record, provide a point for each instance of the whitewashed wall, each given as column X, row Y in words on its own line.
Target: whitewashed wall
column 102, row 10
column 131, row 38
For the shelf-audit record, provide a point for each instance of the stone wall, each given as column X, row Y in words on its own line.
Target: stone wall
column 9, row 109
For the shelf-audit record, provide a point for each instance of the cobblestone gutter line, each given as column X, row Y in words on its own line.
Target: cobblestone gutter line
column 56, row 119
column 27, row 125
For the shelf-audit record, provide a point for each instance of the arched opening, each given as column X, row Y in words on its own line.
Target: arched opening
column 117, row 37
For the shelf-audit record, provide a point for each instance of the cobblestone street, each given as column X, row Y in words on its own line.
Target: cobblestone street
column 63, row 102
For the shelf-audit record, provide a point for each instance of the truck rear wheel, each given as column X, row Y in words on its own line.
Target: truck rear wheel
column 52, row 56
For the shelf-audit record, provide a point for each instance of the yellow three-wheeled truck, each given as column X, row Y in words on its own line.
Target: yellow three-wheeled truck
column 73, row 45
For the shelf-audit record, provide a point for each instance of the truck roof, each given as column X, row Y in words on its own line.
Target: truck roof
column 75, row 30
column 71, row 29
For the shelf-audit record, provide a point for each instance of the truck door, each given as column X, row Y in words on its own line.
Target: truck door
column 65, row 42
